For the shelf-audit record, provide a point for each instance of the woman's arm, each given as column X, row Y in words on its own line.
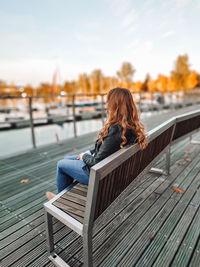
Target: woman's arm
column 110, row 145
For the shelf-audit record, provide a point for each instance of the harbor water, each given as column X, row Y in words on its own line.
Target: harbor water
column 18, row 140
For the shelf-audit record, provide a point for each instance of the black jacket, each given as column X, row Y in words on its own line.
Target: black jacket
column 111, row 144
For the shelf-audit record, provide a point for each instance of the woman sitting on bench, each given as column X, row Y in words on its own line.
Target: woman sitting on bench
column 123, row 127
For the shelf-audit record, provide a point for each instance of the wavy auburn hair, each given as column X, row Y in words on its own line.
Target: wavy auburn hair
column 122, row 110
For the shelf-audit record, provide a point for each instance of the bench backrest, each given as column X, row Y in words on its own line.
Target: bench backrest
column 112, row 175
column 185, row 124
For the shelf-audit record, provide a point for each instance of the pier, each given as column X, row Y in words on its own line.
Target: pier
column 152, row 225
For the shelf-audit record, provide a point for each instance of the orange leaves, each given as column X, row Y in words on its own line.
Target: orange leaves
column 188, row 160
column 186, row 151
column 178, row 190
column 24, row 181
column 180, row 163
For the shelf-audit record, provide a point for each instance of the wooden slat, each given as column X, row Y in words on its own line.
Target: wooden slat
column 77, row 214
column 195, row 260
column 78, row 192
column 69, row 209
column 169, row 225
column 185, row 251
column 70, row 204
column 173, row 243
column 81, row 187
column 76, row 195
column 74, row 199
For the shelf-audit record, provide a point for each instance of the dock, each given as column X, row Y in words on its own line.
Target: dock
column 155, row 223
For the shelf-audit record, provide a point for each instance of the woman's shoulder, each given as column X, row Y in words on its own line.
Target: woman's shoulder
column 115, row 128
column 118, row 127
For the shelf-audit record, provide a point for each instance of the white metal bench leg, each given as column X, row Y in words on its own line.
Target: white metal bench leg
column 87, row 249
column 49, row 232
column 50, row 242
column 167, row 171
column 196, row 142
column 168, row 153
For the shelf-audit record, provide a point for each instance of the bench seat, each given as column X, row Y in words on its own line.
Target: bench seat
column 73, row 202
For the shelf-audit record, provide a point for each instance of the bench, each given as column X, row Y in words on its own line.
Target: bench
column 78, row 206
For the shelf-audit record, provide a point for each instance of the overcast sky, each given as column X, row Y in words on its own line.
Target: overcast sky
column 77, row 36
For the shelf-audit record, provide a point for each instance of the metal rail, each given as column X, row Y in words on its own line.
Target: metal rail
column 73, row 101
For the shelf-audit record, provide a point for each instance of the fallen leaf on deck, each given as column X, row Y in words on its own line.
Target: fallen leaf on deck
column 24, row 181
column 75, row 149
column 186, row 151
column 180, row 163
column 188, row 159
column 178, row 190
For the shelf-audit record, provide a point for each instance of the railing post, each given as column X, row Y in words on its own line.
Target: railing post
column 74, row 115
column 31, row 122
column 140, row 101
column 152, row 105
column 102, row 109
column 184, row 100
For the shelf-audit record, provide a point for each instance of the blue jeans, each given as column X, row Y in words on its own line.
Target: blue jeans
column 68, row 169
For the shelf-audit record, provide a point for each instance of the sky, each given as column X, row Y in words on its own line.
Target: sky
column 41, row 36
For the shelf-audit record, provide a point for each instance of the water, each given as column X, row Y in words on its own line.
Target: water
column 18, row 140
column 14, row 141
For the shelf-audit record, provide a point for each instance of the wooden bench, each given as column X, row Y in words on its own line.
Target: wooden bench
column 78, row 206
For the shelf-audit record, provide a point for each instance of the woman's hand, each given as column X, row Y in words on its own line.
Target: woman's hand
column 80, row 156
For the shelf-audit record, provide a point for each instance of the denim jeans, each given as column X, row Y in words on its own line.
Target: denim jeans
column 68, row 169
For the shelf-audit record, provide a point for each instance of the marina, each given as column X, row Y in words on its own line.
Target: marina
column 60, row 110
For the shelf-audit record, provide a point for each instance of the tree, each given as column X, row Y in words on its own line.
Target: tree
column 137, row 86
column 145, row 87
column 70, row 87
column 96, row 81
column 84, row 83
column 181, row 72
column 192, row 80
column 161, row 83
column 108, row 83
column 125, row 74
column 3, row 87
column 28, row 89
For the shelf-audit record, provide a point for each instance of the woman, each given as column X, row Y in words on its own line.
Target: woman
column 123, row 127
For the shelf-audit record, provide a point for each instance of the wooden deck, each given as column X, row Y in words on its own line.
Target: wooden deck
column 151, row 225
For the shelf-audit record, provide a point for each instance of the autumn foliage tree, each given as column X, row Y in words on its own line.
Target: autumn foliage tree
column 180, row 73
column 96, row 78
column 70, row 87
column 181, row 78
column 125, row 74
column 145, row 86
column 84, row 83
column 108, row 83
column 192, row 80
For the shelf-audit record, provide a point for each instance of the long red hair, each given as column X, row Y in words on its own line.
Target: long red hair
column 122, row 110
